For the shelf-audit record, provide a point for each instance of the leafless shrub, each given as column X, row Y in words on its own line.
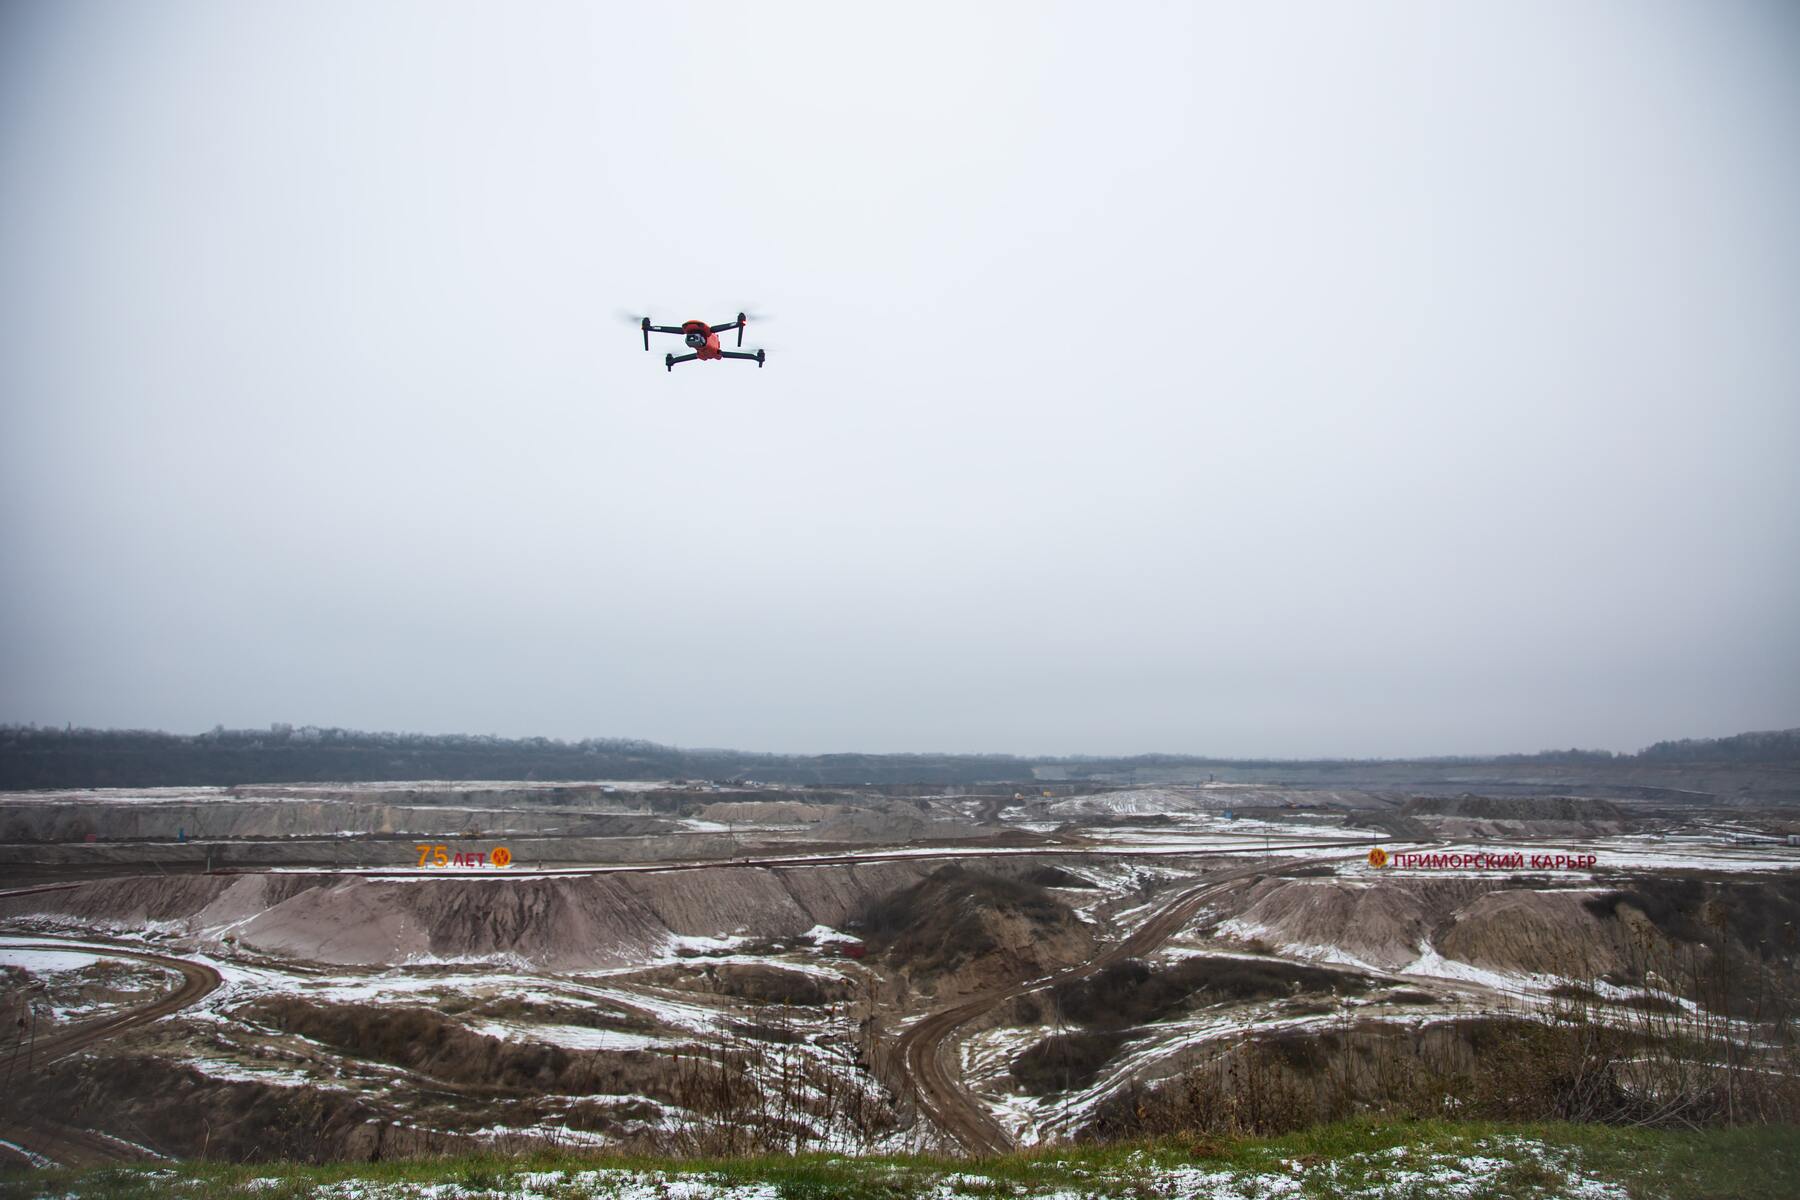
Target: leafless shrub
column 1583, row 1058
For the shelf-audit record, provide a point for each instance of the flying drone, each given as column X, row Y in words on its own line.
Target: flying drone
column 703, row 338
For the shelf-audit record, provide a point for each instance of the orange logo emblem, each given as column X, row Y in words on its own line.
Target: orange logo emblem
column 1378, row 858
column 501, row 856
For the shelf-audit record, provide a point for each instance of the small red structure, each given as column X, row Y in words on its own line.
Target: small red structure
column 852, row 949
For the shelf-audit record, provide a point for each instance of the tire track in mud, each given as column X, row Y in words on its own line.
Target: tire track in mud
column 937, row 1083
column 69, row 1146
column 66, row 1146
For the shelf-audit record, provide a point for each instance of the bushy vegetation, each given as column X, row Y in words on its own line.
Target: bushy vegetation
column 423, row 1040
column 1760, row 916
column 759, row 984
column 1770, row 746
column 1346, row 1161
column 1623, row 1066
column 1732, row 946
column 186, row 1112
column 1134, row 993
column 58, row 758
column 1048, row 876
column 1119, row 997
column 1064, row 1061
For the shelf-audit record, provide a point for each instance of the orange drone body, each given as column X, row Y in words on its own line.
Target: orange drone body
column 709, row 344
column 702, row 340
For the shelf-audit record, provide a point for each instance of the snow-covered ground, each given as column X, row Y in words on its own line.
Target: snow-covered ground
column 237, row 1049
column 1132, row 868
column 44, row 962
column 77, row 987
column 570, row 1037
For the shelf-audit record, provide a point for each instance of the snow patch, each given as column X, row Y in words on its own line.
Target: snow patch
column 571, row 1037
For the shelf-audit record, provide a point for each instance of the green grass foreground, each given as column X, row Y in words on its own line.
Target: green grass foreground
column 1410, row 1161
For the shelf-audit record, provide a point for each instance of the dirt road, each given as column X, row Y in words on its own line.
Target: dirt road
column 63, row 1144
column 831, row 858
column 1258, row 846
column 927, row 1045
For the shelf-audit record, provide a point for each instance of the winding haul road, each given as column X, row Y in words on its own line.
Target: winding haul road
column 926, row 1046
column 63, row 1144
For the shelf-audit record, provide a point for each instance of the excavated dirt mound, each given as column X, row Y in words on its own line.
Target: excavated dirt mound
column 1502, row 816
column 553, row 923
column 1533, row 932
column 1272, row 801
column 896, row 824
column 765, row 812
column 140, row 900
column 332, row 853
column 959, row 929
column 1382, row 922
column 1708, row 939
column 1516, row 808
column 1134, row 802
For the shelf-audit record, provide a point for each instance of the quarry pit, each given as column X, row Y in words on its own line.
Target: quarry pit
column 670, row 967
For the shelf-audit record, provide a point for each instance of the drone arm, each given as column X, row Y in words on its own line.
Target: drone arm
column 737, row 325
column 669, row 360
column 756, row 358
column 649, row 329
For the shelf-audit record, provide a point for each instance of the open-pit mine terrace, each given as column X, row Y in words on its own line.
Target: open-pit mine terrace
column 271, row 972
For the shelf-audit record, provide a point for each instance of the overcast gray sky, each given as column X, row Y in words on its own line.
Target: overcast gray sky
column 1241, row 379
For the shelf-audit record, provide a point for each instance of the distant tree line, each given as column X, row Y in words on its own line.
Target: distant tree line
column 36, row 757
column 1771, row 746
